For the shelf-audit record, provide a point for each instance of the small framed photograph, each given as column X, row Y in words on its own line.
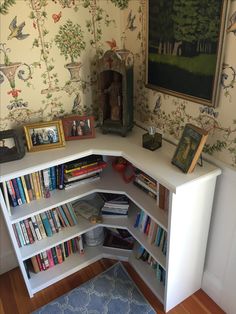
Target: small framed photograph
column 44, row 135
column 189, row 148
column 78, row 127
column 11, row 145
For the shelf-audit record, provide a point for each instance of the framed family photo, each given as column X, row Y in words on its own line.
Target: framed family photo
column 189, row 148
column 11, row 145
column 78, row 127
column 44, row 135
column 185, row 48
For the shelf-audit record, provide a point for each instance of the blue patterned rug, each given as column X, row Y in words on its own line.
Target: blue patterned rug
column 111, row 292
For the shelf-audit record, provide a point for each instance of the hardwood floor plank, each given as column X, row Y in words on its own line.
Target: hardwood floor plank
column 14, row 298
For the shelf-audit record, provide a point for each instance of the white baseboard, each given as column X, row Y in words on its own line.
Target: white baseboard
column 212, row 287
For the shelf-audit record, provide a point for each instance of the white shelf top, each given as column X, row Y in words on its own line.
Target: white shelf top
column 157, row 164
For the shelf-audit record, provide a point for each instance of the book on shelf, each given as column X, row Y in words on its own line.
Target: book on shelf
column 55, row 255
column 163, row 197
column 89, row 179
column 82, row 173
column 115, row 200
column 46, row 224
column 118, row 238
column 150, row 193
column 82, row 162
column 11, row 193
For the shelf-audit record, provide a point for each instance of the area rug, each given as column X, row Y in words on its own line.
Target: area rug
column 111, row 292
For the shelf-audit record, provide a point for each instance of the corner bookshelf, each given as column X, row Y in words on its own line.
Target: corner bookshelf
column 186, row 221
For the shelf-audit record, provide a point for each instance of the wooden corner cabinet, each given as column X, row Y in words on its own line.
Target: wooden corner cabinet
column 186, row 221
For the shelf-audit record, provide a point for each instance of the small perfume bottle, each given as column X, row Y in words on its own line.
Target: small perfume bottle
column 152, row 140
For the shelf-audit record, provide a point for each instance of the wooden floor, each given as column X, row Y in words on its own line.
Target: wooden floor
column 14, row 298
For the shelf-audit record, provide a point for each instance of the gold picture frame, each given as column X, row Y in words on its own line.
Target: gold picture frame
column 44, row 135
column 189, row 148
column 185, row 49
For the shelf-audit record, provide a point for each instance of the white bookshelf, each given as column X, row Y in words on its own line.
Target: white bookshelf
column 186, row 221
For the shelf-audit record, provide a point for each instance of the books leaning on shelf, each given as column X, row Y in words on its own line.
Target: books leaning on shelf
column 115, row 205
column 55, row 255
column 83, row 170
column 155, row 234
column 142, row 254
column 146, row 183
column 44, row 224
column 32, row 186
column 118, row 238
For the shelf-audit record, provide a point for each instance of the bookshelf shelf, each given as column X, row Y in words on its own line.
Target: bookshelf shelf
column 186, row 222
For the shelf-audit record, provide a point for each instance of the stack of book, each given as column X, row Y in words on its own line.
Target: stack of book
column 83, row 170
column 146, row 183
column 118, row 238
column 44, row 225
column 115, row 205
column 155, row 234
column 55, row 255
column 142, row 254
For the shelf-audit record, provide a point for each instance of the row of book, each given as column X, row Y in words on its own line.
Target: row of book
column 34, row 186
column 143, row 255
column 44, row 225
column 152, row 188
column 83, row 170
column 55, row 255
column 39, row 184
column 155, row 234
column 115, row 205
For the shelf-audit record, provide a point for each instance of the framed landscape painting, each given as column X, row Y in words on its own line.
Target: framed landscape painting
column 185, row 48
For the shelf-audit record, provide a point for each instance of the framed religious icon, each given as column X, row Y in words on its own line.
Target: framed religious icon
column 78, row 127
column 11, row 145
column 44, row 135
column 189, row 148
column 185, row 48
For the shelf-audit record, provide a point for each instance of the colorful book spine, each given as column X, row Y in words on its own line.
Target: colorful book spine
column 72, row 213
column 24, row 231
column 22, row 178
column 12, row 193
column 35, row 185
column 21, row 190
column 41, row 226
column 16, row 235
column 16, row 189
column 56, row 219
column 29, row 187
column 64, row 217
column 46, row 183
column 32, row 229
column 36, row 228
column 53, row 177
column 49, row 216
column 20, row 234
column 46, row 224
column 28, row 230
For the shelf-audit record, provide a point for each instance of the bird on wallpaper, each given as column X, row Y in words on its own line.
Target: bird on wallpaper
column 157, row 105
column 56, row 17
column 112, row 44
column 16, row 30
column 232, row 27
column 130, row 21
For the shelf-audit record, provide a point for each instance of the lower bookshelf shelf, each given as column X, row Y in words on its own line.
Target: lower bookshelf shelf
column 75, row 262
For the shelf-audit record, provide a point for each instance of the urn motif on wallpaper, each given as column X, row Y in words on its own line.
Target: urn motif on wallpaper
column 70, row 41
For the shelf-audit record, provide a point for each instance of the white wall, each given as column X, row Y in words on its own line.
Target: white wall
column 220, row 266
column 7, row 255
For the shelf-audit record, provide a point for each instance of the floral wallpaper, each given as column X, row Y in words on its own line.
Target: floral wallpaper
column 48, row 54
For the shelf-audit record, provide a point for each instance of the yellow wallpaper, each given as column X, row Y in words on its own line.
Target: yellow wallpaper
column 42, row 87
